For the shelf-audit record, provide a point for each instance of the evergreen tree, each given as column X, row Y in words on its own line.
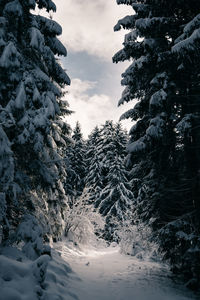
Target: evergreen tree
column 75, row 181
column 185, row 51
column 32, row 133
column 120, row 140
column 147, row 80
column 94, row 178
column 110, row 190
column 163, row 43
column 183, row 233
column 116, row 198
column 113, row 150
column 100, row 152
column 105, row 146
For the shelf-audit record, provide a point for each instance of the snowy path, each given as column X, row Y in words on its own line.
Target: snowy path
column 108, row 275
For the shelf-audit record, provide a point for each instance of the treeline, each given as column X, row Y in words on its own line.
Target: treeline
column 163, row 161
column 95, row 167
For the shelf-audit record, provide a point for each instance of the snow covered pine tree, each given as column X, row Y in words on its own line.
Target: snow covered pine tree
column 164, row 141
column 94, row 177
column 32, row 133
column 75, row 154
column 101, row 148
column 107, row 180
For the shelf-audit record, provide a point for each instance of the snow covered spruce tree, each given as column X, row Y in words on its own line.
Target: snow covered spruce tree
column 164, row 138
column 94, row 177
column 100, row 148
column 105, row 147
column 184, row 233
column 148, row 81
column 113, row 142
column 116, row 198
column 76, row 167
column 107, row 175
column 32, row 134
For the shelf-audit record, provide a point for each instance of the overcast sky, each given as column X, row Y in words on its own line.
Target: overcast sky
column 89, row 38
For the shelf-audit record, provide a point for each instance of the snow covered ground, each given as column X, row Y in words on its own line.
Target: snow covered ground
column 105, row 274
column 87, row 274
column 21, row 278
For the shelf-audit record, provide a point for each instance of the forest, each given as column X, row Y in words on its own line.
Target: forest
column 136, row 191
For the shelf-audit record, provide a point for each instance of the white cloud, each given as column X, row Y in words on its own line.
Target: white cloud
column 91, row 110
column 88, row 25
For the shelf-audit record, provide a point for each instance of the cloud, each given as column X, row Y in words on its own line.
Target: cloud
column 91, row 109
column 88, row 26
column 91, row 42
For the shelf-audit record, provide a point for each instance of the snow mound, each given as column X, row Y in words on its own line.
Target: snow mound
column 44, row 278
column 57, row 279
column 17, row 281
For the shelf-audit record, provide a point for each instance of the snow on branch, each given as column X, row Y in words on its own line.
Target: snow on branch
column 10, row 56
column 137, row 146
column 188, row 44
column 127, row 22
column 49, row 26
column 158, row 98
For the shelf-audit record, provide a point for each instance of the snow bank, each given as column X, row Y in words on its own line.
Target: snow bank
column 17, row 280
column 56, row 282
column 45, row 278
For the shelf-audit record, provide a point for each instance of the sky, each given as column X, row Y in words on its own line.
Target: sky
column 91, row 42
